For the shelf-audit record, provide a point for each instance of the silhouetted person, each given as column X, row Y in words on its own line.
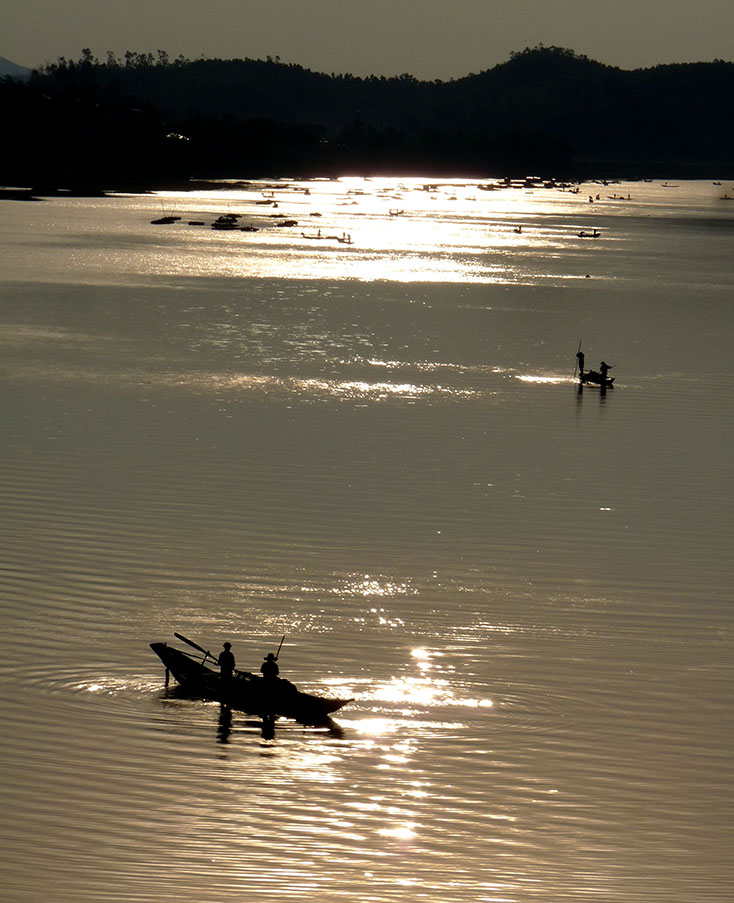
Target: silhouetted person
column 269, row 667
column 580, row 359
column 604, row 369
column 226, row 663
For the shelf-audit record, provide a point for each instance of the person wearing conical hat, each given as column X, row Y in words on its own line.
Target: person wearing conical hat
column 269, row 668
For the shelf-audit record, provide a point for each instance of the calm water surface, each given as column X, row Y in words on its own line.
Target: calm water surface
column 378, row 450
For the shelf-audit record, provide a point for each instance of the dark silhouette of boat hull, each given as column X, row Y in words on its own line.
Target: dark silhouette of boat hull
column 273, row 698
column 591, row 377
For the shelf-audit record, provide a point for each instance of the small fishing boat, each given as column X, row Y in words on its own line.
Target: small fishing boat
column 268, row 698
column 226, row 222
column 593, row 377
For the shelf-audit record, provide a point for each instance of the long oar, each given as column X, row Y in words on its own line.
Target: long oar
column 279, row 648
column 195, row 645
column 576, row 365
column 206, row 652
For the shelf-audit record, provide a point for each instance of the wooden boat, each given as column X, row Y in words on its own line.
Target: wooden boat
column 266, row 698
column 226, row 222
column 592, row 377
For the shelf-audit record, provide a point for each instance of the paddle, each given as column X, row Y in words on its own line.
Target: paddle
column 206, row 652
column 195, row 645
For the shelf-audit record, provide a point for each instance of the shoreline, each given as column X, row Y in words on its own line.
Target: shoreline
column 40, row 191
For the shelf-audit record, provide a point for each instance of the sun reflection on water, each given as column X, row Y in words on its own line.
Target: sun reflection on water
column 405, row 831
column 307, row 387
column 422, row 691
column 374, row 586
column 542, row 380
column 369, row 232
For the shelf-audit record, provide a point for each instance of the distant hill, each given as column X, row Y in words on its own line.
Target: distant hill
column 546, row 111
column 13, row 70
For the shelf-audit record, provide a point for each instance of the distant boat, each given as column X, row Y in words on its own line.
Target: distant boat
column 165, row 220
column 227, row 221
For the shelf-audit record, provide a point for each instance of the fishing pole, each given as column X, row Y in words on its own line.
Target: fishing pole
column 279, row 648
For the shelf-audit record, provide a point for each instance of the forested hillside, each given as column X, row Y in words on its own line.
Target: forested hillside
column 145, row 120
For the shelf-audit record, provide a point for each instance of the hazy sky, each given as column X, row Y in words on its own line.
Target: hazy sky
column 427, row 38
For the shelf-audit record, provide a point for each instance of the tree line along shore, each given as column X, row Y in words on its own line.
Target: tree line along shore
column 146, row 121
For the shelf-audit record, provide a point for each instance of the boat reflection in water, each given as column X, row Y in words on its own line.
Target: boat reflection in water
column 224, row 728
column 268, row 698
column 224, row 725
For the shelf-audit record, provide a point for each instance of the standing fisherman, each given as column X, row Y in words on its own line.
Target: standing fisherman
column 604, row 368
column 226, row 663
column 580, row 362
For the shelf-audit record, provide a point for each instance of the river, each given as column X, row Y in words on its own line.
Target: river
column 358, row 428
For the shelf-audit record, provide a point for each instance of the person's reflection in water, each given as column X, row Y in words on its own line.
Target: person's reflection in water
column 224, row 728
column 268, row 727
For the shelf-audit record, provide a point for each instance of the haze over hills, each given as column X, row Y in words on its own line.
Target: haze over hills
column 13, row 70
column 550, row 111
